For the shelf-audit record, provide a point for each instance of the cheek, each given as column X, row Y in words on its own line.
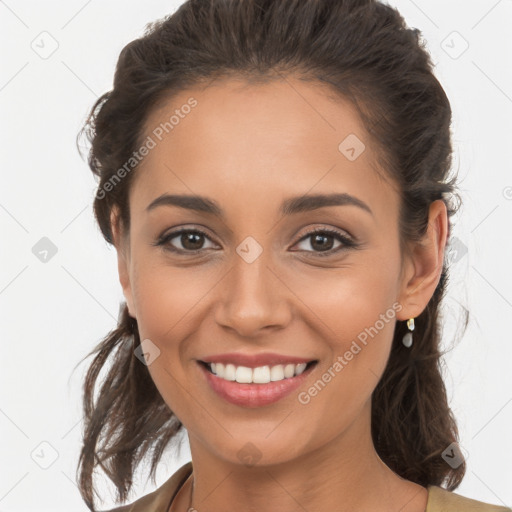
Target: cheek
column 167, row 299
column 352, row 299
column 359, row 307
column 168, row 302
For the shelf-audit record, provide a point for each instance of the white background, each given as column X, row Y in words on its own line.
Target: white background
column 53, row 313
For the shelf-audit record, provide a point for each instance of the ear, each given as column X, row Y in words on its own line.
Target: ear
column 121, row 243
column 424, row 264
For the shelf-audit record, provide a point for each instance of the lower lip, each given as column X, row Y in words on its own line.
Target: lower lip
column 254, row 395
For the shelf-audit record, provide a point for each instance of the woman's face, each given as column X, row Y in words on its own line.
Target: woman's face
column 260, row 280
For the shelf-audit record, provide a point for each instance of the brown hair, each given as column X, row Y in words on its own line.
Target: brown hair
column 365, row 52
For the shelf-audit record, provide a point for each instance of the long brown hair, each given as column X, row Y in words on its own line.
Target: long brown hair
column 365, row 52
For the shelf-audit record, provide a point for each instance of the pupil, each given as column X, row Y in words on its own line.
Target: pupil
column 322, row 246
column 195, row 240
column 188, row 238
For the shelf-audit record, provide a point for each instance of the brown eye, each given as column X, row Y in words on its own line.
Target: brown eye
column 191, row 240
column 323, row 240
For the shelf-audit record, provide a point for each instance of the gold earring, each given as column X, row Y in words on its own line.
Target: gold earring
column 407, row 339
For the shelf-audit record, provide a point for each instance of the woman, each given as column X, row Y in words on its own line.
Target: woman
column 274, row 177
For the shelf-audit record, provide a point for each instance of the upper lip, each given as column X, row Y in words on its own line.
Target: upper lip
column 255, row 360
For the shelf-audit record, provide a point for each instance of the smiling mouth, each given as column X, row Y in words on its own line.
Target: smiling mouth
column 259, row 375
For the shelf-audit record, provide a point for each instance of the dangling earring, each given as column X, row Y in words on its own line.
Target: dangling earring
column 407, row 339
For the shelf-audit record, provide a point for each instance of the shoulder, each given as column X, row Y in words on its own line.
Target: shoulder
column 125, row 508
column 160, row 499
column 442, row 500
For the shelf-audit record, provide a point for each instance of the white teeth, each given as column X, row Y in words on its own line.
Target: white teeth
column 229, row 371
column 243, row 374
column 261, row 375
column 258, row 375
column 277, row 372
column 289, row 370
column 300, row 368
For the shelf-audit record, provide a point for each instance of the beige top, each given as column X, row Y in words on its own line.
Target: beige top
column 439, row 499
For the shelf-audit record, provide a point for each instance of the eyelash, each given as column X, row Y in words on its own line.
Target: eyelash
column 347, row 242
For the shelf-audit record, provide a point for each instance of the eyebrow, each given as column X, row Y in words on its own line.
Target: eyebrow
column 290, row 206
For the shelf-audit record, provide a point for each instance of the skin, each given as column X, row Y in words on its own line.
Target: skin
column 249, row 147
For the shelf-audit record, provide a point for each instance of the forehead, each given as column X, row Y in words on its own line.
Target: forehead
column 253, row 144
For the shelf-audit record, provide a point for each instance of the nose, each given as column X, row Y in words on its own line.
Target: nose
column 253, row 299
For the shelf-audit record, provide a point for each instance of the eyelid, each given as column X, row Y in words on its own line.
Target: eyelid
column 326, row 229
column 346, row 240
column 168, row 235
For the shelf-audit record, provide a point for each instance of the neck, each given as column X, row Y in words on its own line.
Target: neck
column 344, row 474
